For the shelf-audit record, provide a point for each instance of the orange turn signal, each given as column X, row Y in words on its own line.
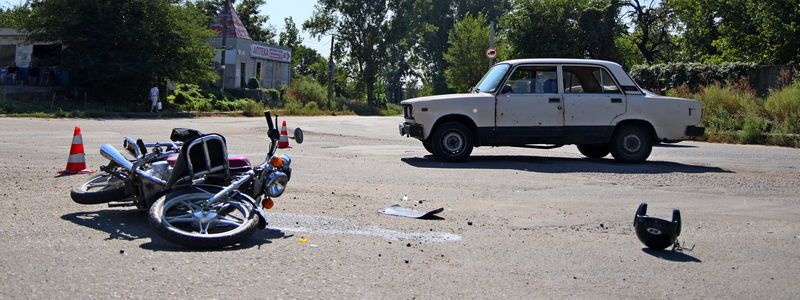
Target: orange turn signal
column 276, row 161
column 267, row 203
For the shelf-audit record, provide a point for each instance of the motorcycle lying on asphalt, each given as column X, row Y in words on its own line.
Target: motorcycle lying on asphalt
column 119, row 186
column 207, row 199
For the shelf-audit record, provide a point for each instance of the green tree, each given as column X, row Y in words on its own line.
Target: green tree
column 573, row 28
column 739, row 30
column 598, row 29
column 530, row 36
column 697, row 28
column 360, row 28
column 257, row 25
column 465, row 56
column 117, row 48
column 652, row 23
column 290, row 37
column 435, row 19
column 759, row 31
column 402, row 39
column 308, row 62
column 15, row 16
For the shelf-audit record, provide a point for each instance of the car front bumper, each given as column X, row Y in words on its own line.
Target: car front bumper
column 412, row 130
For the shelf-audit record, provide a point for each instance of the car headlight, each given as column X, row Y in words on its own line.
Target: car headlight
column 275, row 183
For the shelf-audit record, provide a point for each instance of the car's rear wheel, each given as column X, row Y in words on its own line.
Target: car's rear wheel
column 594, row 151
column 631, row 144
column 452, row 141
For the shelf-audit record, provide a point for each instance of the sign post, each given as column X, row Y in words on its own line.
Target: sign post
column 491, row 54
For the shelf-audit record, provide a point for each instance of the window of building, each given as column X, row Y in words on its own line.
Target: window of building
column 8, row 54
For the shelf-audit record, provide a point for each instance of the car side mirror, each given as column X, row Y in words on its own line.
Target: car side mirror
column 506, row 89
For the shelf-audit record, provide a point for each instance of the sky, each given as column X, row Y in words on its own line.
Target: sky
column 300, row 11
column 277, row 10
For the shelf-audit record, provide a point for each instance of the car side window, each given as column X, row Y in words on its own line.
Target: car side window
column 534, row 80
column 588, row 80
column 606, row 82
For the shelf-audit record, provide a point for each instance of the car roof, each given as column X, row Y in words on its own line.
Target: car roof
column 605, row 63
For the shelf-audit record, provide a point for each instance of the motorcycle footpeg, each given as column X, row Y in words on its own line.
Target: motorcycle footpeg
column 121, row 204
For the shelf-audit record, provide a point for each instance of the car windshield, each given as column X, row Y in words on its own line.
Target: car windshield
column 492, row 79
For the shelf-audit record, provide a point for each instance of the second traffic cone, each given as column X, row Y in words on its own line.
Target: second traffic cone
column 283, row 142
column 76, row 163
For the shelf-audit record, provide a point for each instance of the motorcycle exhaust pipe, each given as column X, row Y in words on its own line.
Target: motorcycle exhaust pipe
column 111, row 153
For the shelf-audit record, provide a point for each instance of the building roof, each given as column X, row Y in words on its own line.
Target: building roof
column 235, row 26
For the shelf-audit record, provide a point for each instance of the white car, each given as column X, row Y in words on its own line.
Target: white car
column 548, row 103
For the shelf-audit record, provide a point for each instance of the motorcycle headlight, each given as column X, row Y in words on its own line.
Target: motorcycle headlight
column 275, row 183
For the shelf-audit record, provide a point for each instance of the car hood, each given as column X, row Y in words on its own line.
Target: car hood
column 446, row 98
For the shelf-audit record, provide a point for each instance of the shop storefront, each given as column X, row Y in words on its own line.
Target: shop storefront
column 26, row 63
column 246, row 58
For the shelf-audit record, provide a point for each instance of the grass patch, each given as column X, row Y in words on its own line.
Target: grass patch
column 736, row 115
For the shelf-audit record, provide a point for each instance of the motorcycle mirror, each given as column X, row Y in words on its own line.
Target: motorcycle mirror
column 269, row 120
column 298, row 135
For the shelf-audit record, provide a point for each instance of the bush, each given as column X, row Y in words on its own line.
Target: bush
column 253, row 108
column 253, row 83
column 783, row 107
column 694, row 75
column 190, row 97
column 274, row 95
column 293, row 108
column 725, row 109
column 306, row 90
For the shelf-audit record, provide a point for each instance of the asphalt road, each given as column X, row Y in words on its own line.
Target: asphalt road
column 518, row 223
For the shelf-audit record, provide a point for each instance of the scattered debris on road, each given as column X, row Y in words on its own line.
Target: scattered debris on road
column 397, row 210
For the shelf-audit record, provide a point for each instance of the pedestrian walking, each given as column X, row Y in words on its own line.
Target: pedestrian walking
column 154, row 99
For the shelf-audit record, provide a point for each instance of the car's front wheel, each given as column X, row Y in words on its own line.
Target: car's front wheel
column 631, row 144
column 428, row 147
column 594, row 151
column 452, row 141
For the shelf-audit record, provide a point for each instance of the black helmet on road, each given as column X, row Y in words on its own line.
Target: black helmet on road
column 656, row 233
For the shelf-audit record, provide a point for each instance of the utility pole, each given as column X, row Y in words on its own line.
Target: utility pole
column 226, row 13
column 491, row 41
column 330, row 75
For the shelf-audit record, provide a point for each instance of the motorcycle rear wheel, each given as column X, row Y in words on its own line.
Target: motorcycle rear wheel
column 99, row 189
column 179, row 217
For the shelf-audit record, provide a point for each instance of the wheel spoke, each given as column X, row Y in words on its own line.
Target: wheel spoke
column 230, row 221
column 204, row 229
column 190, row 205
column 185, row 218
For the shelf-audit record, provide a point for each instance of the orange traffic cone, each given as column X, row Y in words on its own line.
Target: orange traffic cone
column 283, row 142
column 76, row 163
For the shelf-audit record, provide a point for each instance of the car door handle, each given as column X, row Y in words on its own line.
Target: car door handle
column 555, row 100
column 616, row 100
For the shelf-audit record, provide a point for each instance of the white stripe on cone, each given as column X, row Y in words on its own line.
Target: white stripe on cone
column 76, row 158
column 77, row 139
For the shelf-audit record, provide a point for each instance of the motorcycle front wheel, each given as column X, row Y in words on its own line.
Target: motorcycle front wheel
column 183, row 218
column 99, row 189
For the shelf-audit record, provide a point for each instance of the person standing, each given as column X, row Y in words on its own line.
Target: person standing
column 154, row 98
column 13, row 72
